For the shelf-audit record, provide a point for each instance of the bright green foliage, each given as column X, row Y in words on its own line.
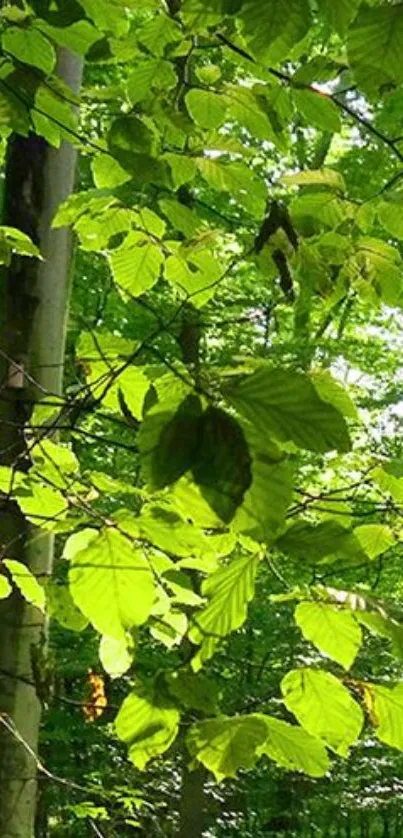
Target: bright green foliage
column 29, row 46
column 232, row 392
column 115, row 655
column 26, row 582
column 112, row 583
column 222, row 464
column 265, row 503
column 317, row 110
column 229, row 591
column 194, row 691
column 148, row 723
column 324, row 707
column 272, row 34
column 224, row 745
column 294, row 748
column 385, row 707
column 5, row 587
column 334, row 631
column 206, row 108
column 287, row 406
column 327, row 540
column 375, row 42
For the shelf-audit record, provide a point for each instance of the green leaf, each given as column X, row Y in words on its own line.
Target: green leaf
column 107, row 172
column 229, row 591
column 196, row 692
column 41, row 504
column 375, row 539
column 148, row 723
column 183, row 168
column 52, row 116
column 271, row 32
column 196, row 274
column 130, row 134
column 158, row 33
column 29, row 46
column 238, row 180
column 317, row 109
column 224, row 745
column 316, row 177
column 265, row 503
column 206, row 108
column 26, row 583
column 333, row 631
column 340, row 14
column 5, row 587
column 330, row 390
column 115, row 655
column 106, row 15
column 78, row 37
column 385, row 708
column 324, row 209
column 170, row 628
column 168, row 441
column 136, row 264
column 294, row 748
column 149, row 75
column 191, row 503
column 314, row 542
column 134, row 385
column 286, row 406
column 324, row 707
column 61, row 607
column 222, row 463
column 54, row 463
column 112, row 583
column 388, row 481
column 78, row 541
column 375, row 45
column 208, row 73
column 246, row 107
column 19, row 242
column 181, row 217
column 170, row 532
column 390, row 214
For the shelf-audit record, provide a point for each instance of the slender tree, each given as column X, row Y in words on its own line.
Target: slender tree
column 34, row 295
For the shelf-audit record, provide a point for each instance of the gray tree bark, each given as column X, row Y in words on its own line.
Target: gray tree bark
column 34, row 306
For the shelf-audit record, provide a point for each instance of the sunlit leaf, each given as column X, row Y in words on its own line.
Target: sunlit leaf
column 334, row 631
column 324, row 707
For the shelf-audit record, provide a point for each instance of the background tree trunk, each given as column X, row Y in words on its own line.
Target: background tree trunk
column 34, row 307
column 192, row 802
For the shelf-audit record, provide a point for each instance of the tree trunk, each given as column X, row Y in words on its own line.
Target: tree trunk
column 192, row 802
column 34, row 301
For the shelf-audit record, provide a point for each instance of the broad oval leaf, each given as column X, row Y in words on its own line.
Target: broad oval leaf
column 294, row 748
column 115, row 655
column 112, row 584
column 29, row 46
column 26, row 583
column 5, row 587
column 148, row 723
column 229, row 591
column 385, row 708
column 324, row 707
column 224, row 745
column 169, row 443
column 206, row 108
column 285, row 405
column 334, row 632
column 222, row 467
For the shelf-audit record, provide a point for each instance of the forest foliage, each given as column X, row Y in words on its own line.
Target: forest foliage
column 225, row 458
